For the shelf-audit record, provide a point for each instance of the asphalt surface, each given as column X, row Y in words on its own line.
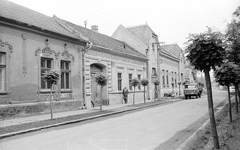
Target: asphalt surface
column 141, row 130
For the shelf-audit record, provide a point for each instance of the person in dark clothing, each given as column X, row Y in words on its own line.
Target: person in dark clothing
column 125, row 95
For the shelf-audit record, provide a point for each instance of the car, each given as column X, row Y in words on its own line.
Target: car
column 192, row 89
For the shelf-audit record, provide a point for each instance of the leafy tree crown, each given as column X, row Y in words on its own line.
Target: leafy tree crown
column 51, row 76
column 205, row 51
column 144, row 82
column 135, row 82
column 227, row 74
column 101, row 79
column 156, row 82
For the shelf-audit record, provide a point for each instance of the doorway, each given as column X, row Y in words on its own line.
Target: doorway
column 96, row 89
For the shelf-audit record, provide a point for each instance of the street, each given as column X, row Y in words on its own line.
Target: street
column 145, row 129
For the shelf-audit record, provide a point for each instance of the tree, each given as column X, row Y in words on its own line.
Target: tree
column 144, row 83
column 225, row 76
column 156, row 83
column 101, row 80
column 205, row 52
column 51, row 77
column 233, row 45
column 135, row 82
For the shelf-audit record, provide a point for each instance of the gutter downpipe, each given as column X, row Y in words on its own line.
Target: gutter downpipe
column 147, row 72
column 84, row 51
column 159, row 69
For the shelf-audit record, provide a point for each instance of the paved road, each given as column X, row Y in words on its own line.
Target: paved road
column 141, row 130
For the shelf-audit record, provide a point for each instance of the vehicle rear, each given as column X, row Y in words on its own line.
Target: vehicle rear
column 191, row 90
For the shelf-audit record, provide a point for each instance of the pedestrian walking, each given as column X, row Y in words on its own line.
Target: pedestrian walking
column 125, row 95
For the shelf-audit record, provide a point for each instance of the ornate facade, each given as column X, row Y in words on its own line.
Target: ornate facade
column 32, row 43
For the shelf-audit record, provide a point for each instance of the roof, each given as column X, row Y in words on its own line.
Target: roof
column 26, row 16
column 143, row 32
column 172, row 49
column 105, row 41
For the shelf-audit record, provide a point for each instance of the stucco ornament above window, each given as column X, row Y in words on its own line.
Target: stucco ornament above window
column 3, row 44
column 46, row 51
column 66, row 54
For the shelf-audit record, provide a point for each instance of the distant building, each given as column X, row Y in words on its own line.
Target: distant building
column 165, row 62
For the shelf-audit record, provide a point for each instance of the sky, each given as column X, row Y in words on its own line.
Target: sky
column 171, row 20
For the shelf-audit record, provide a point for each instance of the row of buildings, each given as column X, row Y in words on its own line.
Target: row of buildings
column 32, row 43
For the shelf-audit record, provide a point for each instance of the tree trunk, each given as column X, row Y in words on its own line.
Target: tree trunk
column 134, row 95
column 144, row 94
column 210, row 109
column 238, row 94
column 230, row 104
column 51, row 102
column 236, row 97
column 101, row 98
column 179, row 91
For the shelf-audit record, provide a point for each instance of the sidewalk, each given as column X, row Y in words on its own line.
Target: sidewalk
column 12, row 127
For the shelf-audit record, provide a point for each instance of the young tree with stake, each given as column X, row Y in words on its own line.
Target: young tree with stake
column 144, row 83
column 205, row 51
column 102, row 81
column 51, row 77
column 135, row 82
column 226, row 75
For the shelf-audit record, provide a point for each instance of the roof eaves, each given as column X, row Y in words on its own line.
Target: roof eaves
column 36, row 29
column 107, row 50
column 70, row 29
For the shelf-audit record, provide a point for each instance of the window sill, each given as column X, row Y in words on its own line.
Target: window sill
column 3, row 92
column 53, row 91
column 120, row 92
column 66, row 91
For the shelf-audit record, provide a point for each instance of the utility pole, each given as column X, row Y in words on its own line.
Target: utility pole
column 159, row 61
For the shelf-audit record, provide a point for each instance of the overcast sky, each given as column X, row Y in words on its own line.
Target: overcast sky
column 171, row 20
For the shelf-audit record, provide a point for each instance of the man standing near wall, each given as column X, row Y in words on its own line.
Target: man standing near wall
column 125, row 95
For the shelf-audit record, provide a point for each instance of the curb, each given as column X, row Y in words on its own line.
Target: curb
column 79, row 120
column 199, row 131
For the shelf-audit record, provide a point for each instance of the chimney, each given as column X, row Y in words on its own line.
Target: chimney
column 94, row 28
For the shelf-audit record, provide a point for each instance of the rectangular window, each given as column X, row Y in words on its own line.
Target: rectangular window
column 119, row 76
column 130, row 80
column 65, row 74
column 154, row 73
column 2, row 71
column 181, row 77
column 167, row 78
column 46, row 65
column 175, row 79
column 163, row 78
column 139, row 86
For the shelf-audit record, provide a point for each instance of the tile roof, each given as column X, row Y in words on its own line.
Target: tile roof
column 143, row 32
column 172, row 49
column 21, row 14
column 108, row 42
